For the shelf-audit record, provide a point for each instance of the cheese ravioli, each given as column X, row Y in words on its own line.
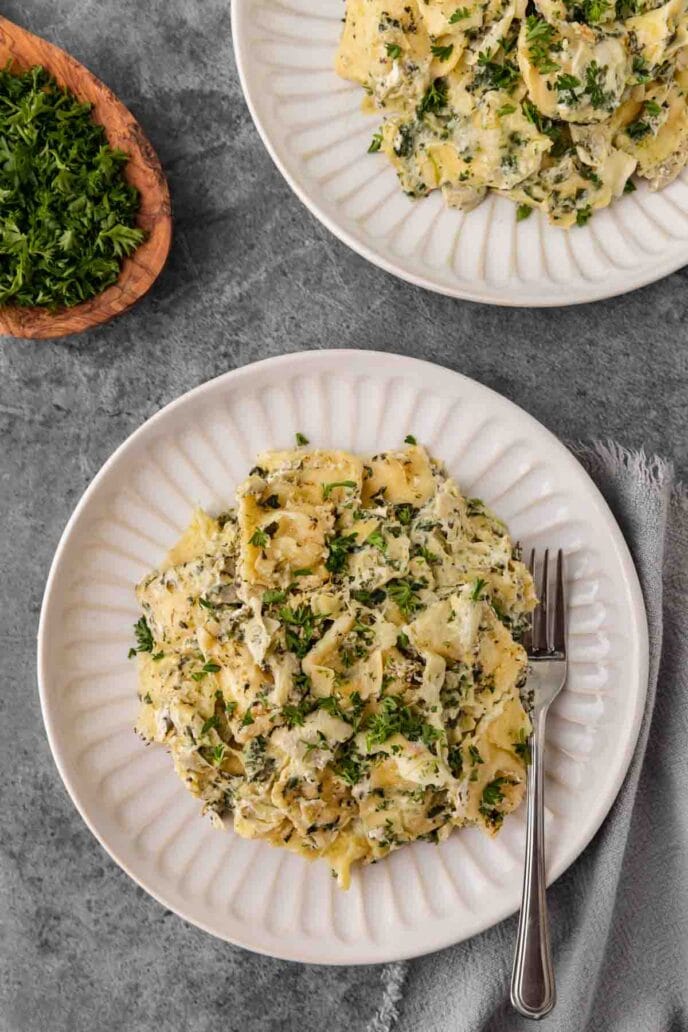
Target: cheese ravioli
column 334, row 665
column 493, row 95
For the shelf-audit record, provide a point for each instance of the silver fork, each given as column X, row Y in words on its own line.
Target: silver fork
column 533, row 992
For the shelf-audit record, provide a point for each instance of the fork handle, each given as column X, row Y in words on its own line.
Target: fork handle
column 533, row 992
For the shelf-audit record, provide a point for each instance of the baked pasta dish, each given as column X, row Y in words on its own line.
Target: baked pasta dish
column 553, row 103
column 334, row 664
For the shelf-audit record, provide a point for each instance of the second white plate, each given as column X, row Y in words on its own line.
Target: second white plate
column 195, row 451
column 311, row 123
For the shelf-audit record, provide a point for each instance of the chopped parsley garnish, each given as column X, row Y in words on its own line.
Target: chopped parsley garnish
column 629, row 186
column 455, row 760
column 331, row 705
column 144, row 638
column 247, row 718
column 349, row 765
column 477, row 592
column 491, row 797
column 442, row 53
column 259, row 539
column 402, row 592
column 271, row 502
column 474, row 755
column 421, row 552
column 218, row 754
column 583, row 216
column 300, row 628
column 371, row 599
column 301, row 439
column 207, row 668
column 395, row 717
column 558, row 132
column 393, row 51
column 522, row 747
column 594, row 81
column 375, row 143
column 259, row 767
column 641, row 70
column 338, row 549
column 595, row 10
column 327, row 489
column 495, row 76
column 377, row 540
column 639, row 129
column 205, row 603
column 295, row 716
column 158, row 656
column 404, row 140
column 67, row 214
column 567, row 86
column 540, row 37
column 523, row 211
column 506, row 109
column 273, row 595
column 405, row 513
column 210, row 723
column 410, row 439
column 434, row 98
column 459, row 14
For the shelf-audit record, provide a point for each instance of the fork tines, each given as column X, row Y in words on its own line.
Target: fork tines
column 546, row 635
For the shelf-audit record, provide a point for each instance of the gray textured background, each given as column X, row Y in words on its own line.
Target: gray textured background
column 251, row 274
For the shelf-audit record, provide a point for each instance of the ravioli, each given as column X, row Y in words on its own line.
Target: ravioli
column 498, row 96
column 335, row 666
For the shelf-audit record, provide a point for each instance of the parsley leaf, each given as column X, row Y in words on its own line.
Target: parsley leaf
column 594, row 79
column 459, row 14
column 211, row 722
column 434, row 98
column 477, row 592
column 540, row 37
column 402, row 592
column 495, row 76
column 338, row 550
column 567, row 86
column 395, row 717
column 377, row 540
column 375, row 143
column 258, row 539
column 294, row 716
column 144, row 638
column 442, row 53
column 301, row 439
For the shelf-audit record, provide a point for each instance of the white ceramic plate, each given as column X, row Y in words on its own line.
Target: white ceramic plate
column 195, row 451
column 311, row 123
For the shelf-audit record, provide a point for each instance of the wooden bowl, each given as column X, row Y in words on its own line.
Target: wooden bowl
column 140, row 270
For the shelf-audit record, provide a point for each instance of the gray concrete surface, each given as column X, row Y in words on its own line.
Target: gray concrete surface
column 252, row 274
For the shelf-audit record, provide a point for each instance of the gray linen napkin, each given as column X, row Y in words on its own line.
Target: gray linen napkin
column 619, row 916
